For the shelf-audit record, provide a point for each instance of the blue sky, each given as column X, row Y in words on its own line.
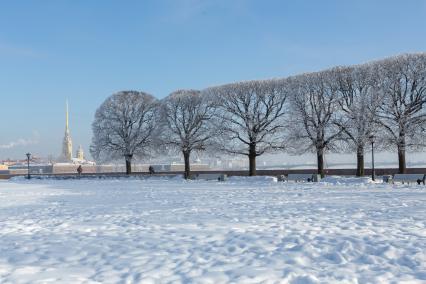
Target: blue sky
column 52, row 50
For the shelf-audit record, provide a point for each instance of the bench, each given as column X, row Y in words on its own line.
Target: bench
column 413, row 178
column 303, row 177
column 387, row 179
column 218, row 177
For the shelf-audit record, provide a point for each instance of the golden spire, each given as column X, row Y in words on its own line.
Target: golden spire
column 67, row 143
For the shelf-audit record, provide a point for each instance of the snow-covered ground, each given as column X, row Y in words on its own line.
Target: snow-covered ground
column 239, row 231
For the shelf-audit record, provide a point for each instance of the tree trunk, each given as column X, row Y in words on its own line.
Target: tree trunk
column 128, row 164
column 402, row 169
column 360, row 161
column 320, row 161
column 252, row 160
column 186, row 155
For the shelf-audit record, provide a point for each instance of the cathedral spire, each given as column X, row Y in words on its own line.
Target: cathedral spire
column 67, row 143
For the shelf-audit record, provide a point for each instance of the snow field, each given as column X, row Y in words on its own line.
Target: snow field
column 240, row 231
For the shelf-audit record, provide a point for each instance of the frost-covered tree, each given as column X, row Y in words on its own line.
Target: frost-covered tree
column 186, row 118
column 252, row 117
column 123, row 127
column 315, row 106
column 359, row 102
column 403, row 111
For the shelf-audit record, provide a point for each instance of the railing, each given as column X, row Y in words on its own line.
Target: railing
column 338, row 172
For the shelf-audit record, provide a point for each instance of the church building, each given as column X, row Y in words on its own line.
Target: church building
column 67, row 143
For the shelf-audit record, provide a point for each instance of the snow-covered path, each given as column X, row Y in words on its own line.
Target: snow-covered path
column 240, row 231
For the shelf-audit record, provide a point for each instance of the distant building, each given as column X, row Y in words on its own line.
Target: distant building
column 67, row 143
column 177, row 167
column 67, row 154
column 4, row 167
column 80, row 153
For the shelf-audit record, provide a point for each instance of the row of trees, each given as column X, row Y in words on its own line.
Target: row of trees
column 332, row 110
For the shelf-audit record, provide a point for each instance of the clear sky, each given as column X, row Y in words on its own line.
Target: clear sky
column 84, row 51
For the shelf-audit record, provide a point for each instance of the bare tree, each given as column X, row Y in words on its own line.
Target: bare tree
column 403, row 111
column 186, row 117
column 123, row 127
column 315, row 103
column 359, row 102
column 252, row 117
